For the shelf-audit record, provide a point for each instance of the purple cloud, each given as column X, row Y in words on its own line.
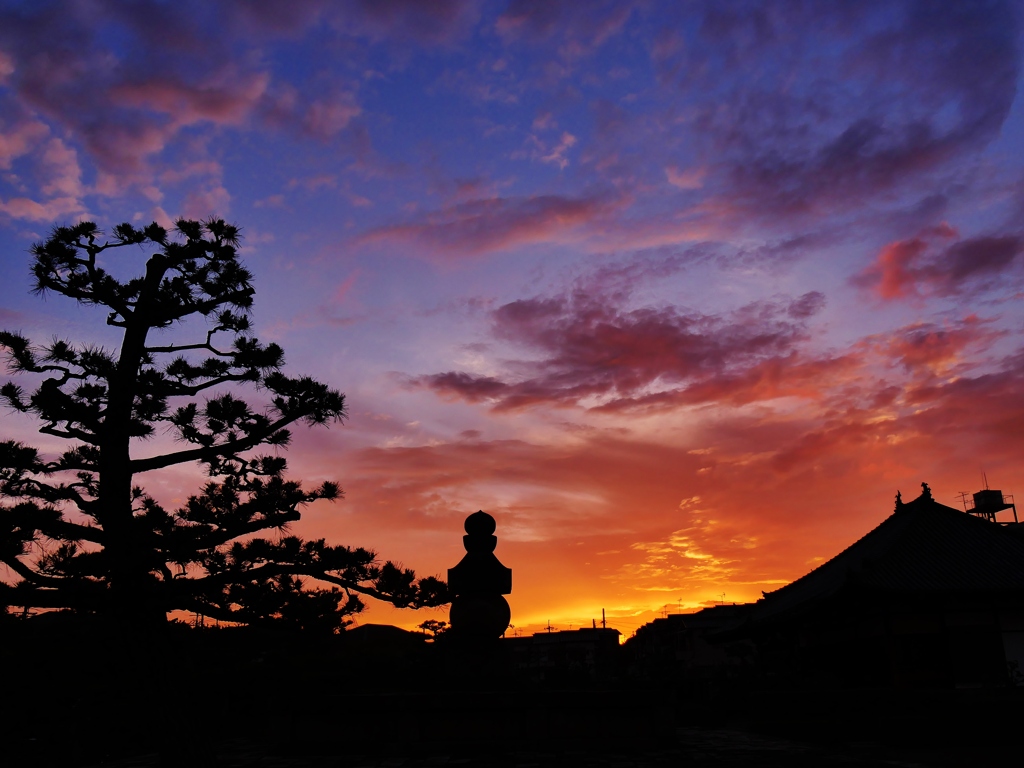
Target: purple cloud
column 811, row 107
column 595, row 352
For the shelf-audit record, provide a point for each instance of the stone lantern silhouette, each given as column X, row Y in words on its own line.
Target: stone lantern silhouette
column 479, row 611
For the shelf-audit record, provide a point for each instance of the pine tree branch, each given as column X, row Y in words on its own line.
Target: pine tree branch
column 93, row 250
column 70, row 432
column 66, row 373
column 213, row 451
column 182, row 347
column 37, row 489
column 270, row 570
column 223, row 535
column 68, row 531
column 353, row 586
column 236, row 298
column 31, row 576
column 180, row 390
column 68, row 466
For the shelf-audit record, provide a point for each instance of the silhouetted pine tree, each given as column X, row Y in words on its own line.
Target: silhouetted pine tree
column 78, row 531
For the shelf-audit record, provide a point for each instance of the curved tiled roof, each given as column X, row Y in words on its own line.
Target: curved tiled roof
column 923, row 546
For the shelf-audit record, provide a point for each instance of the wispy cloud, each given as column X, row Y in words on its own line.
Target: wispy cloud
column 487, row 225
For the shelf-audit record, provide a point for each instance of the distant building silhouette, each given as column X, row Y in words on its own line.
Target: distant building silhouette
column 682, row 648
column 576, row 655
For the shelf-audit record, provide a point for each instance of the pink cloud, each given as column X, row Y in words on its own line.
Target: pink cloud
column 176, row 71
column 933, row 348
column 579, row 28
column 226, row 97
column 271, row 201
column 46, row 211
column 122, row 149
column 556, row 155
column 60, row 192
column 19, row 139
column 689, row 178
column 189, row 171
column 346, row 286
column 796, row 374
column 63, row 174
column 6, row 67
column 486, row 225
column 425, row 21
column 206, row 202
column 928, row 265
column 325, row 118
column 893, row 274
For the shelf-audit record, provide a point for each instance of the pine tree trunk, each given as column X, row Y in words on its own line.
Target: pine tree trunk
column 132, row 594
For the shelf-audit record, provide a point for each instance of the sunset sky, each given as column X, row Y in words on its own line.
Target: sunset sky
column 680, row 293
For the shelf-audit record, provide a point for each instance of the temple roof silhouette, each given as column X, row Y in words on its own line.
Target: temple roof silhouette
column 922, row 547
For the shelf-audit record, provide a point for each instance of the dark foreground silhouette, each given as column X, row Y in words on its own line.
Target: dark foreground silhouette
column 902, row 649
column 78, row 694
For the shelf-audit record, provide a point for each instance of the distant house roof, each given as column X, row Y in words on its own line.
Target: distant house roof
column 922, row 547
column 582, row 635
column 382, row 635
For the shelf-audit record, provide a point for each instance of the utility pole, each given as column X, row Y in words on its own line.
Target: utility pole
column 604, row 624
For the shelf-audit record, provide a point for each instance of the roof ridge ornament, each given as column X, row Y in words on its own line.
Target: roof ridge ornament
column 899, row 501
column 926, row 492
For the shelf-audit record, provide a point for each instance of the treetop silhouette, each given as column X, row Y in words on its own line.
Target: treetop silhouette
column 80, row 533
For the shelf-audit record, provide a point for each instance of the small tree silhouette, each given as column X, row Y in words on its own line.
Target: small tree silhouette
column 434, row 627
column 76, row 529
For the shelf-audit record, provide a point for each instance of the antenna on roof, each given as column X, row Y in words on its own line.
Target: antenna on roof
column 988, row 502
column 984, row 477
